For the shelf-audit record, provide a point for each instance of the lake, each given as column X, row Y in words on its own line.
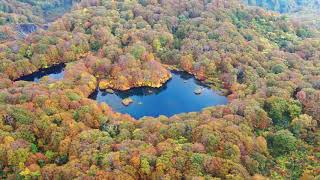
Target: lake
column 55, row 72
column 174, row 97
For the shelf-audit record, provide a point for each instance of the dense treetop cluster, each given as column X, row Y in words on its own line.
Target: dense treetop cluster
column 267, row 65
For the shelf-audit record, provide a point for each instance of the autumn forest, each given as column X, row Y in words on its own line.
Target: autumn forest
column 262, row 56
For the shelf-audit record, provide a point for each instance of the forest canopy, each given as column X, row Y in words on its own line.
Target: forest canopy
column 266, row 63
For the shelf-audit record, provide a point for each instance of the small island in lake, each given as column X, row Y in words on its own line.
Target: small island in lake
column 198, row 91
column 127, row 101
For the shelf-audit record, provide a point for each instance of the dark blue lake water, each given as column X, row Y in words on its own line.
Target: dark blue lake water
column 174, row 97
column 55, row 72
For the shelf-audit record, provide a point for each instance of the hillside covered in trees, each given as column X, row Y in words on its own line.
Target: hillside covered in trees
column 305, row 12
column 36, row 11
column 267, row 64
column 286, row 6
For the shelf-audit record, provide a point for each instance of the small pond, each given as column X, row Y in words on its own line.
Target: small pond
column 174, row 97
column 55, row 72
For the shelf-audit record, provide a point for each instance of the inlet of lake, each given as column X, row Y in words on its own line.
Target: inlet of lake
column 176, row 96
column 55, row 72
